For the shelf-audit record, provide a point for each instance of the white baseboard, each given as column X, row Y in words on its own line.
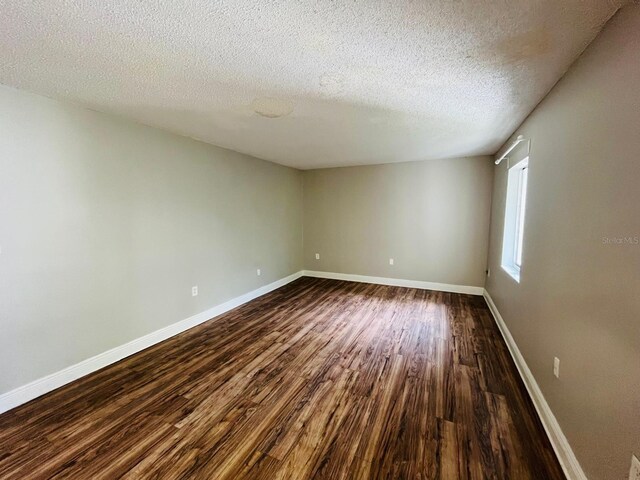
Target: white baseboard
column 566, row 457
column 55, row 380
column 396, row 282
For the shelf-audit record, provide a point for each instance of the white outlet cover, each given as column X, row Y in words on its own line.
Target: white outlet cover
column 391, row 261
column 556, row 367
column 634, row 473
column 194, row 291
column 317, row 256
column 258, row 272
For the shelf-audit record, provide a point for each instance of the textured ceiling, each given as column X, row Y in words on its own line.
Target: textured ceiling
column 305, row 83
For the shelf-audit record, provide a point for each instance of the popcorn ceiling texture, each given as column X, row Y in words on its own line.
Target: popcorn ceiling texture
column 302, row 83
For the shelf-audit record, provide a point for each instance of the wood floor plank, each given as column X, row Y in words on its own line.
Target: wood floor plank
column 319, row 379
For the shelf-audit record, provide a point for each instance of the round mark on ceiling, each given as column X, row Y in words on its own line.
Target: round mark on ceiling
column 272, row 107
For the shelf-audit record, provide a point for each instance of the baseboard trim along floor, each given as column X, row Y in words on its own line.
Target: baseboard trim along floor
column 418, row 380
column 566, row 457
column 396, row 282
column 56, row 380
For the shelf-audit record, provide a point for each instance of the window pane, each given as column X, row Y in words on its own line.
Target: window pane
column 522, row 200
column 514, row 218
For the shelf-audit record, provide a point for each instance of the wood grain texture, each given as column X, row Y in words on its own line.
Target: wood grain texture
column 319, row 379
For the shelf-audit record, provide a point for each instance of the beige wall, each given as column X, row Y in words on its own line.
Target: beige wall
column 105, row 225
column 579, row 298
column 431, row 217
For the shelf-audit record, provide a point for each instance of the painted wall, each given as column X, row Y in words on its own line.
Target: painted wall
column 105, row 225
column 431, row 217
column 579, row 295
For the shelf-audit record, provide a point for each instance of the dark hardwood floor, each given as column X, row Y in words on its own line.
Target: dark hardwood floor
column 320, row 379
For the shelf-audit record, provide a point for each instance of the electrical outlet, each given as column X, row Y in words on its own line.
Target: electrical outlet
column 634, row 473
column 391, row 261
column 488, row 272
column 258, row 272
column 317, row 256
column 556, row 367
column 194, row 291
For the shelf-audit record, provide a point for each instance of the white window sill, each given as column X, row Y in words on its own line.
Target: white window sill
column 513, row 271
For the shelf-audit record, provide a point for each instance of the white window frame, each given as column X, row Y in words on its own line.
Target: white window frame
column 514, row 218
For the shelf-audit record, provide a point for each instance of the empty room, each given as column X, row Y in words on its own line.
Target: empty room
column 315, row 239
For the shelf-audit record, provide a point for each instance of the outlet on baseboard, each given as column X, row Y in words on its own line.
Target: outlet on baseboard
column 634, row 473
column 194, row 291
column 556, row 367
column 317, row 256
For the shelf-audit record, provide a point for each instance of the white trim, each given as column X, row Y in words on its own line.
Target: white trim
column 55, row 380
column 396, row 282
column 567, row 458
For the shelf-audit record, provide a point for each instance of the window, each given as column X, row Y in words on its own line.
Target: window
column 514, row 218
